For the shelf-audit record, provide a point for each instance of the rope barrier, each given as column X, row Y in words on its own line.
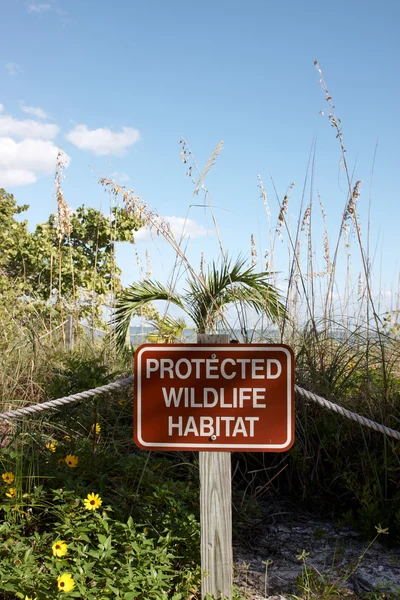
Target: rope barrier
column 36, row 408
column 347, row 413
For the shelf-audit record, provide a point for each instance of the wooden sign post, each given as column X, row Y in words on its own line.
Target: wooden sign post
column 216, row 512
column 215, row 398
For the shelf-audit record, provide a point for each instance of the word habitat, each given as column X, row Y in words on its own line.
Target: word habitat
column 237, row 397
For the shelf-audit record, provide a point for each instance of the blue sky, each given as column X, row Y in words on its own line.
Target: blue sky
column 117, row 83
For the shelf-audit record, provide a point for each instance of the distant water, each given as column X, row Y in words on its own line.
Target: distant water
column 138, row 335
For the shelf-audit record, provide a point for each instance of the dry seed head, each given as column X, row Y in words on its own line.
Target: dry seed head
column 138, row 260
column 263, row 195
column 267, row 264
column 283, row 210
column 202, row 265
column 350, row 212
column 63, row 211
column 346, row 232
column 325, row 238
column 148, row 264
column 254, row 259
column 209, row 165
column 360, row 286
column 186, row 154
column 140, row 209
column 305, row 224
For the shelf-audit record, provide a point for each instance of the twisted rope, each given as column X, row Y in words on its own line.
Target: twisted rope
column 347, row 413
column 36, row 408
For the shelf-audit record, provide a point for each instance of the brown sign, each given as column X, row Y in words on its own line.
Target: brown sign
column 237, row 397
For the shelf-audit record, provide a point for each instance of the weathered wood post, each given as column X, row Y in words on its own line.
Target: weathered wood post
column 216, row 512
column 69, row 332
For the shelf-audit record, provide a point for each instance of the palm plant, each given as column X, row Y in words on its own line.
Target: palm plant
column 205, row 298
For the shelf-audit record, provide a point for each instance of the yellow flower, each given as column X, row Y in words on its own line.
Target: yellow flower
column 52, row 446
column 8, row 477
column 92, row 501
column 65, row 582
column 12, row 492
column 122, row 402
column 72, row 461
column 96, row 428
column 67, row 438
column 60, row 461
column 59, row 548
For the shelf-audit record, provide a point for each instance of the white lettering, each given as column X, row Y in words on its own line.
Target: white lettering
column 223, row 372
column 252, row 420
column 259, row 394
column 172, row 397
column 197, row 362
column 240, row 427
column 172, row 425
column 270, row 375
column 212, row 365
column 210, row 403
column 167, row 364
column 227, row 424
column 206, row 426
column 191, row 427
column 222, row 402
column 244, row 394
column 257, row 364
column 186, row 362
column 243, row 362
column 152, row 365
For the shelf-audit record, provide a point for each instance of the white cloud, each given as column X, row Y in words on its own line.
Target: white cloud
column 13, row 69
column 103, row 141
column 35, row 111
column 178, row 226
column 1, row 107
column 38, row 8
column 27, row 128
column 16, row 177
column 22, row 162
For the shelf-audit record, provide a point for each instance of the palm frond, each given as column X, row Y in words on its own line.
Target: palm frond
column 229, row 283
column 167, row 330
column 132, row 299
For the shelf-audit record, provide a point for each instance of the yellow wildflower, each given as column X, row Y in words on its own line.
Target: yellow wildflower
column 60, row 461
column 59, row 548
column 65, row 582
column 96, row 428
column 92, row 501
column 52, row 446
column 122, row 402
column 8, row 477
column 72, row 461
column 12, row 492
column 67, row 438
